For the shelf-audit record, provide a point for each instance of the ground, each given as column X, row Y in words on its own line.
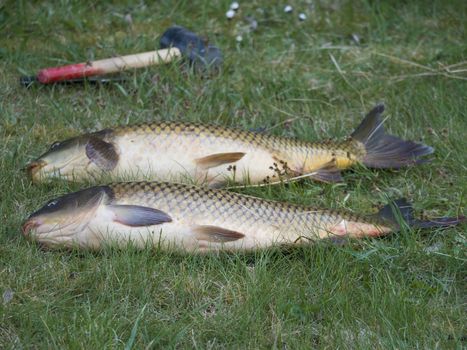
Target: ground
column 307, row 79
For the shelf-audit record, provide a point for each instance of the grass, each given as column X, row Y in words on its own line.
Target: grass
column 302, row 79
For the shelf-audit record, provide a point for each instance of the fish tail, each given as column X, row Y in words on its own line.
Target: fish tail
column 400, row 212
column 383, row 150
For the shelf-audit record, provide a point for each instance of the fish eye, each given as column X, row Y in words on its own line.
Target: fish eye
column 55, row 145
column 52, row 203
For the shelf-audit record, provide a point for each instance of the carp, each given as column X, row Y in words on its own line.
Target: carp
column 215, row 156
column 200, row 219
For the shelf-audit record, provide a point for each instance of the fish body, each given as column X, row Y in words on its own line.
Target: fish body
column 181, row 152
column 214, row 155
column 192, row 218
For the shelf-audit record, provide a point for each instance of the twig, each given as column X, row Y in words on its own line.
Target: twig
column 341, row 72
column 287, row 121
column 445, row 71
column 401, row 60
column 426, row 74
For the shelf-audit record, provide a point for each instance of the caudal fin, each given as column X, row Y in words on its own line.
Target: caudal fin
column 384, row 150
column 401, row 211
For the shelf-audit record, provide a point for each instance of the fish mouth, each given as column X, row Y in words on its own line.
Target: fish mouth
column 28, row 226
column 33, row 167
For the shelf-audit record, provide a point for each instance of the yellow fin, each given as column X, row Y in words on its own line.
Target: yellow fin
column 217, row 159
column 216, row 234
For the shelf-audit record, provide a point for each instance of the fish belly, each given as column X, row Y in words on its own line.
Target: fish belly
column 179, row 234
column 157, row 160
column 175, row 161
column 254, row 167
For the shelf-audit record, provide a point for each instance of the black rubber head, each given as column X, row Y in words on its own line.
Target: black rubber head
column 27, row 80
column 196, row 50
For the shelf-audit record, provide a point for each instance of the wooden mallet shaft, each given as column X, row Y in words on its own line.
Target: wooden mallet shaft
column 107, row 66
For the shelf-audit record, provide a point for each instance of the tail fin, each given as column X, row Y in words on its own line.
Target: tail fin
column 401, row 210
column 384, row 150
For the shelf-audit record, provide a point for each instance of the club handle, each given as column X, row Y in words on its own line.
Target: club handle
column 107, row 66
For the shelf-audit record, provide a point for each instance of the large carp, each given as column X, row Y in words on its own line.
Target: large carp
column 214, row 155
column 200, row 219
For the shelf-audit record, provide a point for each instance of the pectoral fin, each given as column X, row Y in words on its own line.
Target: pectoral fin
column 216, row 234
column 217, row 159
column 102, row 153
column 135, row 215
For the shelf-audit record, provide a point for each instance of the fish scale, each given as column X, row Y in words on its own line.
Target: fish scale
column 286, row 154
column 212, row 132
column 226, row 207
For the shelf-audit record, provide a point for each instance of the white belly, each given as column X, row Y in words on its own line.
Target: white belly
column 176, row 162
column 178, row 234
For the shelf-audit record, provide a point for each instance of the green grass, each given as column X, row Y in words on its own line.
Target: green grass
column 404, row 291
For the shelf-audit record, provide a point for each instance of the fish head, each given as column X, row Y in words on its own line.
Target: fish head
column 73, row 158
column 64, row 219
column 62, row 159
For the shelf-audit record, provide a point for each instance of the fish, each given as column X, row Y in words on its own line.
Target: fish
column 189, row 218
column 216, row 156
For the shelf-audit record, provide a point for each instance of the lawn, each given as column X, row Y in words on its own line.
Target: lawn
column 307, row 79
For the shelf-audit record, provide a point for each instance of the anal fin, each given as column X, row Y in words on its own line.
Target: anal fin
column 323, row 175
column 217, row 159
column 216, row 234
column 328, row 173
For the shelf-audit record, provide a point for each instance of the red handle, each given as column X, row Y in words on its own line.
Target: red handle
column 72, row 71
column 106, row 66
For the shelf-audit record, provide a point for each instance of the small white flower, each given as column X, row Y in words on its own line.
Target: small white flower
column 234, row 6
column 288, row 9
column 230, row 14
column 239, row 38
column 302, row 16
